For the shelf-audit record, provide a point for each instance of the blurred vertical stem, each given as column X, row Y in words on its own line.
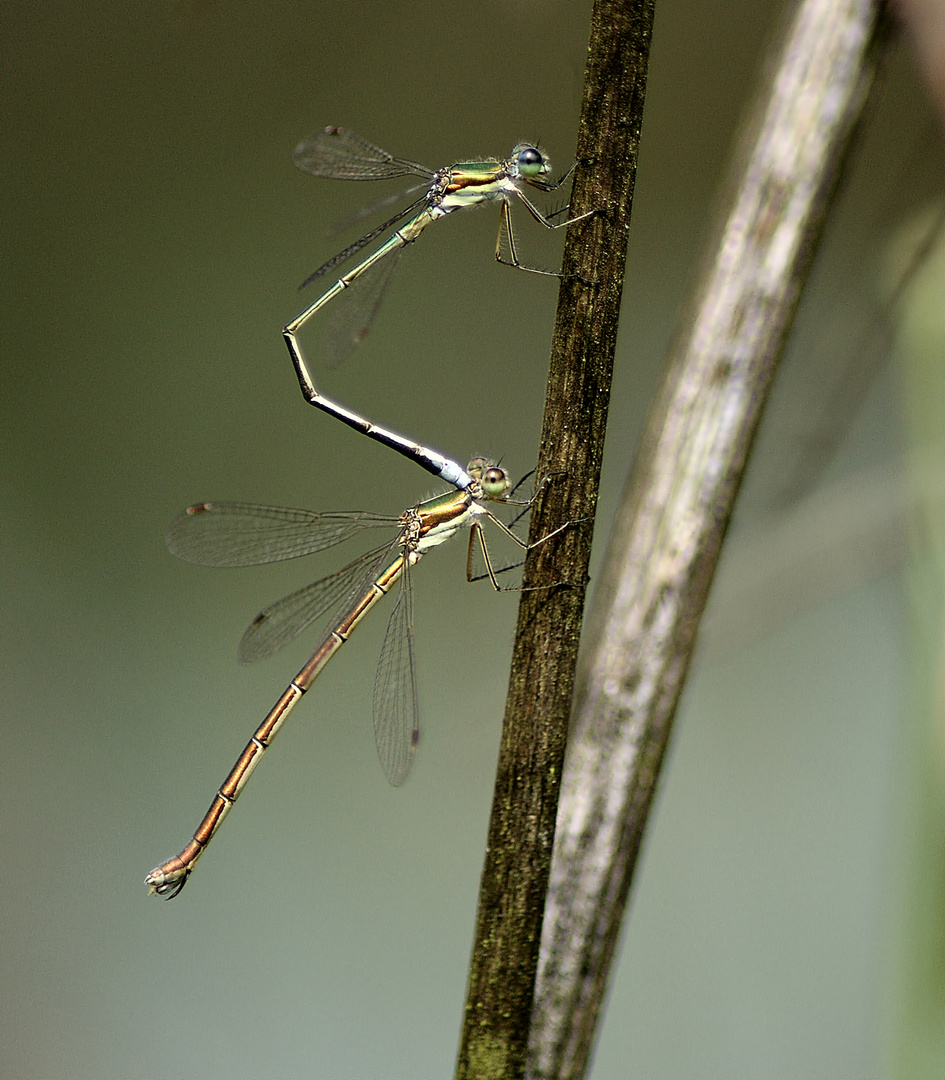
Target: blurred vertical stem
column 677, row 505
column 918, row 967
column 521, row 831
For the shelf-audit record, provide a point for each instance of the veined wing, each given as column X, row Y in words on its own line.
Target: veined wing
column 356, row 308
column 374, row 208
column 396, row 713
column 352, row 249
column 278, row 624
column 339, row 154
column 247, row 534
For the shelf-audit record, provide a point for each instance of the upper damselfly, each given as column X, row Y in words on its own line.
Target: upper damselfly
column 246, row 534
column 339, row 154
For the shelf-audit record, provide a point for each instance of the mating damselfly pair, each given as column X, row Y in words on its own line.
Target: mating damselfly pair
column 245, row 534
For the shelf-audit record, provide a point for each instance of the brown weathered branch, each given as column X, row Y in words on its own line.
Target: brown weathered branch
column 521, row 831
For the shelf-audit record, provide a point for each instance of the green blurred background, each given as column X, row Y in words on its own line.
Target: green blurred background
column 155, row 232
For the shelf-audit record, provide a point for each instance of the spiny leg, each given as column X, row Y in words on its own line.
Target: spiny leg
column 505, row 223
column 476, row 531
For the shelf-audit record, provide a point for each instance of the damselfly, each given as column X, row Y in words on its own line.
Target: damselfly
column 245, row 534
column 341, row 155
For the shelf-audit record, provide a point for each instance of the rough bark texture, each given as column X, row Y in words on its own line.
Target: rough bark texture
column 521, row 831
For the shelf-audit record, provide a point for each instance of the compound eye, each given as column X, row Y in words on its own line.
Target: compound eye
column 495, row 483
column 477, row 467
column 531, row 161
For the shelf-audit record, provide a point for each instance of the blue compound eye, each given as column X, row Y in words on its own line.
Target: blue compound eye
column 531, row 161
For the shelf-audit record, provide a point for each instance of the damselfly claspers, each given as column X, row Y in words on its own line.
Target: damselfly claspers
column 341, row 155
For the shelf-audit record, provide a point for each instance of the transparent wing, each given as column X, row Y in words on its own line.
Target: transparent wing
column 396, row 713
column 245, row 534
column 339, row 154
column 278, row 624
column 353, row 249
column 374, row 208
column 356, row 309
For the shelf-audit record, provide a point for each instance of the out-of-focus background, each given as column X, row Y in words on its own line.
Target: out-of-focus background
column 155, row 231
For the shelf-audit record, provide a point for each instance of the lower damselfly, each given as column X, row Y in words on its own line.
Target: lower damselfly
column 339, row 154
column 246, row 534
